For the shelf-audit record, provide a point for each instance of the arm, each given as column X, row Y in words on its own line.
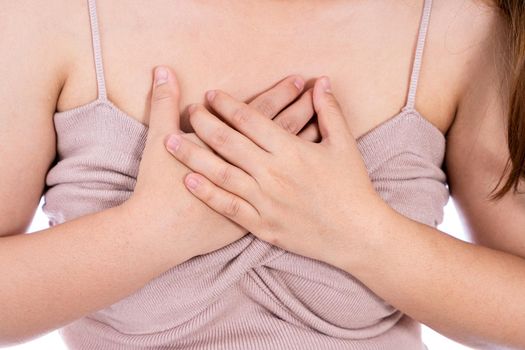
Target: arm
column 28, row 95
column 52, row 277
column 38, row 266
column 55, row 276
column 476, row 291
column 471, row 293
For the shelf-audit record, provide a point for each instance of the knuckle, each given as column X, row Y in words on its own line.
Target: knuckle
column 241, row 115
column 251, row 190
column 283, row 181
column 266, row 107
column 206, row 194
column 273, row 239
column 232, row 207
column 163, row 93
column 220, row 137
column 224, row 176
column 332, row 105
column 270, row 233
column 289, row 125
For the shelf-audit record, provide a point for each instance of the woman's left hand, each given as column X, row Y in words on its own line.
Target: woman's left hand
column 312, row 199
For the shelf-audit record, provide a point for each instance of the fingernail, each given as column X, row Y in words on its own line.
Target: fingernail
column 210, row 95
column 174, row 142
column 192, row 183
column 192, row 107
column 325, row 82
column 161, row 76
column 299, row 84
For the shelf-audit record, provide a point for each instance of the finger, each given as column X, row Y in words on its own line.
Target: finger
column 275, row 99
column 236, row 148
column 223, row 202
column 332, row 124
column 295, row 117
column 311, row 133
column 165, row 98
column 205, row 162
column 261, row 130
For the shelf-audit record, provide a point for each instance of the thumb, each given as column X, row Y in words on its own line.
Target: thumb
column 165, row 97
column 332, row 124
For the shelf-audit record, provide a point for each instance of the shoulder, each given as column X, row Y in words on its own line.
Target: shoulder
column 481, row 116
column 470, row 33
column 467, row 19
column 42, row 33
column 461, row 42
column 49, row 17
column 483, row 102
column 35, row 53
column 476, row 31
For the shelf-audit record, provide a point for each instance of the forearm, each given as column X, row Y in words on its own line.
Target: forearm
column 469, row 293
column 54, row 276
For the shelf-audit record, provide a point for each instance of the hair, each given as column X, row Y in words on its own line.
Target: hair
column 514, row 11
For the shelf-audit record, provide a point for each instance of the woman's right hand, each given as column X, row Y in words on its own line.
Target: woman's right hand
column 161, row 207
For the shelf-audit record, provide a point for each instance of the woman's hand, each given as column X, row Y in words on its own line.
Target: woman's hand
column 161, row 205
column 307, row 198
column 315, row 199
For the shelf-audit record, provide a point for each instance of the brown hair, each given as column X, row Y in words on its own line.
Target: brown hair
column 514, row 10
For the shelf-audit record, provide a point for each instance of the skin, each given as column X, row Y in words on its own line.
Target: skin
column 270, row 178
column 459, row 93
column 110, row 247
column 343, row 222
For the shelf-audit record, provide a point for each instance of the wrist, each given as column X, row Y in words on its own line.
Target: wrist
column 367, row 239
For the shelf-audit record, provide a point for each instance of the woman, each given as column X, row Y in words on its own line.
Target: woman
column 246, row 293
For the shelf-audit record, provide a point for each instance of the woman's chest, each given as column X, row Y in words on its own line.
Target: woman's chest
column 244, row 55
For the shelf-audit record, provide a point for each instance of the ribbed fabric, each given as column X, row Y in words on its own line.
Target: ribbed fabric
column 249, row 294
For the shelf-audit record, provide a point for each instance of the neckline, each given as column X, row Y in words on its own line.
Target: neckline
column 404, row 113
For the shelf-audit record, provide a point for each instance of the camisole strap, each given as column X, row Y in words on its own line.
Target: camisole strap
column 101, row 84
column 418, row 57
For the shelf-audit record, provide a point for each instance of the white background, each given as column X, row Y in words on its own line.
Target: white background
column 433, row 340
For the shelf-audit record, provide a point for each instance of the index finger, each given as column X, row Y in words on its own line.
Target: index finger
column 248, row 121
column 271, row 102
